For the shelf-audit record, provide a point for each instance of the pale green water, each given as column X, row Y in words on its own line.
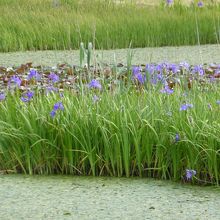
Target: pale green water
column 192, row 54
column 68, row 197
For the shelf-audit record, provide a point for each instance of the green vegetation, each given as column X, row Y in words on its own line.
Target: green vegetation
column 127, row 131
column 42, row 24
column 157, row 121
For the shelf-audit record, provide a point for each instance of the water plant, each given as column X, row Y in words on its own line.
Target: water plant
column 153, row 122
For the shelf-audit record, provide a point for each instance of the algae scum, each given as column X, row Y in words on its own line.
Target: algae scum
column 68, row 197
column 192, row 54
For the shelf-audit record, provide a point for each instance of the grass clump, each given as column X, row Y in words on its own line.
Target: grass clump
column 134, row 124
column 43, row 25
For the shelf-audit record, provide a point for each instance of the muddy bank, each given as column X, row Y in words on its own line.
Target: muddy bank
column 191, row 54
column 62, row 197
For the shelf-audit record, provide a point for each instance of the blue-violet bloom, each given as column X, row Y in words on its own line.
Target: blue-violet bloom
column 58, row 106
column 184, row 107
column 2, row 96
column 177, row 138
column 33, row 74
column 16, row 80
column 54, row 77
column 167, row 90
column 169, row 2
column 190, row 174
column 95, row 84
column 200, row 4
column 52, row 113
column 27, row 96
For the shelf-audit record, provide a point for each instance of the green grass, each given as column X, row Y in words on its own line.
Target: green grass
column 38, row 25
column 128, row 132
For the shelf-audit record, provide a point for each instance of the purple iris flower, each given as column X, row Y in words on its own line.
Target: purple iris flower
column 27, row 96
column 16, row 80
column 2, row 96
column 138, row 75
column 58, row 106
column 154, row 81
column 52, row 113
column 169, row 2
column 173, row 67
column 160, row 77
column 24, row 99
column 95, row 84
column 54, row 77
column 141, row 79
column 190, row 174
column 30, row 94
column 33, row 74
column 167, row 90
column 184, row 107
column 198, row 69
column 200, row 4
column 177, row 138
column 159, row 68
column 150, row 68
column 184, row 65
column 136, row 70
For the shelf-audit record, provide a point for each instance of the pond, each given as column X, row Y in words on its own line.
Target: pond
column 74, row 197
column 192, row 54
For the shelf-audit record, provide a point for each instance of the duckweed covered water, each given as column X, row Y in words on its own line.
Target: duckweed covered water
column 72, row 197
column 192, row 54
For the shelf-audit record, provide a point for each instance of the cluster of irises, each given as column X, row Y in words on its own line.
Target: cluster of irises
column 29, row 80
column 66, row 77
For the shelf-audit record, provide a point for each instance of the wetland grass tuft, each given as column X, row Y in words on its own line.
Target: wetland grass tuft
column 139, row 128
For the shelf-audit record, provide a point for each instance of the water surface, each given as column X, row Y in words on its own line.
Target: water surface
column 192, row 54
column 71, row 197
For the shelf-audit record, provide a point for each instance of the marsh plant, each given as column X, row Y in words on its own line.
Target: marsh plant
column 160, row 120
